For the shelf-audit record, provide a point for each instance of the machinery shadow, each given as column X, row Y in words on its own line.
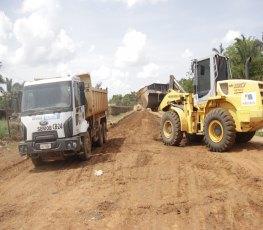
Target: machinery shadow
column 106, row 153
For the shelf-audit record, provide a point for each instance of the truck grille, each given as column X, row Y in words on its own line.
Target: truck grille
column 47, row 136
column 42, row 137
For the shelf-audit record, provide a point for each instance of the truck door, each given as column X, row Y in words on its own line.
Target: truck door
column 78, row 110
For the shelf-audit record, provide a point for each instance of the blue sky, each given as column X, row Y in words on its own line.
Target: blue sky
column 125, row 44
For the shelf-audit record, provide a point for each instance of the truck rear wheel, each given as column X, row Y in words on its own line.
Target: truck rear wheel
column 220, row 131
column 86, row 147
column 104, row 132
column 170, row 129
column 37, row 161
column 100, row 140
column 244, row 137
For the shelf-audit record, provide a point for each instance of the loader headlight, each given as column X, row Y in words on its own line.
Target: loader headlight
column 224, row 88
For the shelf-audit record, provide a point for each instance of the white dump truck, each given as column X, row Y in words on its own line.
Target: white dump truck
column 61, row 117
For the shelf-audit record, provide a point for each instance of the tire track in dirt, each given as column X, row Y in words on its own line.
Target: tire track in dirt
column 145, row 185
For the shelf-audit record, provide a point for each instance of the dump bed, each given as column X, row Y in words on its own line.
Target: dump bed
column 151, row 96
column 97, row 99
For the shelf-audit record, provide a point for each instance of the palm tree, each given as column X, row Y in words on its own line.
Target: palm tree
column 248, row 47
column 220, row 50
column 1, row 77
column 9, row 84
column 240, row 51
column 2, row 81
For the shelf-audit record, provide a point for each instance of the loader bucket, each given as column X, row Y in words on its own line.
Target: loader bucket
column 152, row 95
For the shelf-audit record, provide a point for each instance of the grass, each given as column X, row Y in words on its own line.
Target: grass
column 259, row 133
column 14, row 130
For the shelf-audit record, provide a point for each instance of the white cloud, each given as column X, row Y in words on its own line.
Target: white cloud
column 149, row 71
column 114, row 79
column 131, row 3
column 130, row 51
column 29, row 6
column 40, row 40
column 92, row 48
column 3, row 51
column 5, row 27
column 187, row 54
column 63, row 47
column 230, row 37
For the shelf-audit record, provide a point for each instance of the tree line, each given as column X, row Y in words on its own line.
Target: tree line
column 238, row 53
column 11, row 97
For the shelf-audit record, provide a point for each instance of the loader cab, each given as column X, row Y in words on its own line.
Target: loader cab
column 207, row 72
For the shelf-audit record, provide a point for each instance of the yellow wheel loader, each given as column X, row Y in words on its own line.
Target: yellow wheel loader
column 221, row 110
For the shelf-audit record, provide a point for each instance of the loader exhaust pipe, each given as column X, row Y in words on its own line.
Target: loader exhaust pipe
column 247, row 68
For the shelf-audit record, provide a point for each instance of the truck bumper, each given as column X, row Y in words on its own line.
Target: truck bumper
column 30, row 148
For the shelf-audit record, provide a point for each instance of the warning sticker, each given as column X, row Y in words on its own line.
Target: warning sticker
column 248, row 99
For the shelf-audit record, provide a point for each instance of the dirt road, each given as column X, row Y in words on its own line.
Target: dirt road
column 144, row 185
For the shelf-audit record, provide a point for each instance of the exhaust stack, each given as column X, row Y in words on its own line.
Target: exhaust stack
column 247, row 68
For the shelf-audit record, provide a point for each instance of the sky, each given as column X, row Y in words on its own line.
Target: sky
column 124, row 44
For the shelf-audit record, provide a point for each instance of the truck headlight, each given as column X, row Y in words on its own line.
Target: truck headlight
column 71, row 145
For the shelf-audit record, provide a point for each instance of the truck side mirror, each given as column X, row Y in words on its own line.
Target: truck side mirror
column 82, row 93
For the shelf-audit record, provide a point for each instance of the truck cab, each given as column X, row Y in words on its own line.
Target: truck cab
column 54, row 120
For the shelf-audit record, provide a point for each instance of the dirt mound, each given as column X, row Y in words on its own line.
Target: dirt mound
column 144, row 185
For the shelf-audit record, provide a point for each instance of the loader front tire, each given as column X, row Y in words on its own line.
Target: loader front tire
column 170, row 129
column 219, row 129
column 244, row 137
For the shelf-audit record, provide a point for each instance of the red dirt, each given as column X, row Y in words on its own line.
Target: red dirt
column 144, row 185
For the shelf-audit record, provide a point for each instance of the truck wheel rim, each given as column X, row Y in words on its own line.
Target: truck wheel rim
column 167, row 129
column 216, row 131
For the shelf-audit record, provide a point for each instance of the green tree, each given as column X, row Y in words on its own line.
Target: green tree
column 187, row 84
column 116, row 99
column 1, row 79
column 240, row 51
column 220, row 50
column 98, row 85
column 130, row 99
column 9, row 84
column 126, row 100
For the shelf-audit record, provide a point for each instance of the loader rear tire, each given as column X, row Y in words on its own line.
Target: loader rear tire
column 219, row 129
column 194, row 138
column 170, row 129
column 244, row 137
column 86, row 147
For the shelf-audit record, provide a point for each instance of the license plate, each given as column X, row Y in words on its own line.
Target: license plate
column 45, row 146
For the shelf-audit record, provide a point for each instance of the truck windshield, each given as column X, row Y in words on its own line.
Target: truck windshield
column 49, row 97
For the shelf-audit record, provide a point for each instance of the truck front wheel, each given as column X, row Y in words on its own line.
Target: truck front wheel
column 170, row 129
column 219, row 129
column 37, row 161
column 86, row 147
